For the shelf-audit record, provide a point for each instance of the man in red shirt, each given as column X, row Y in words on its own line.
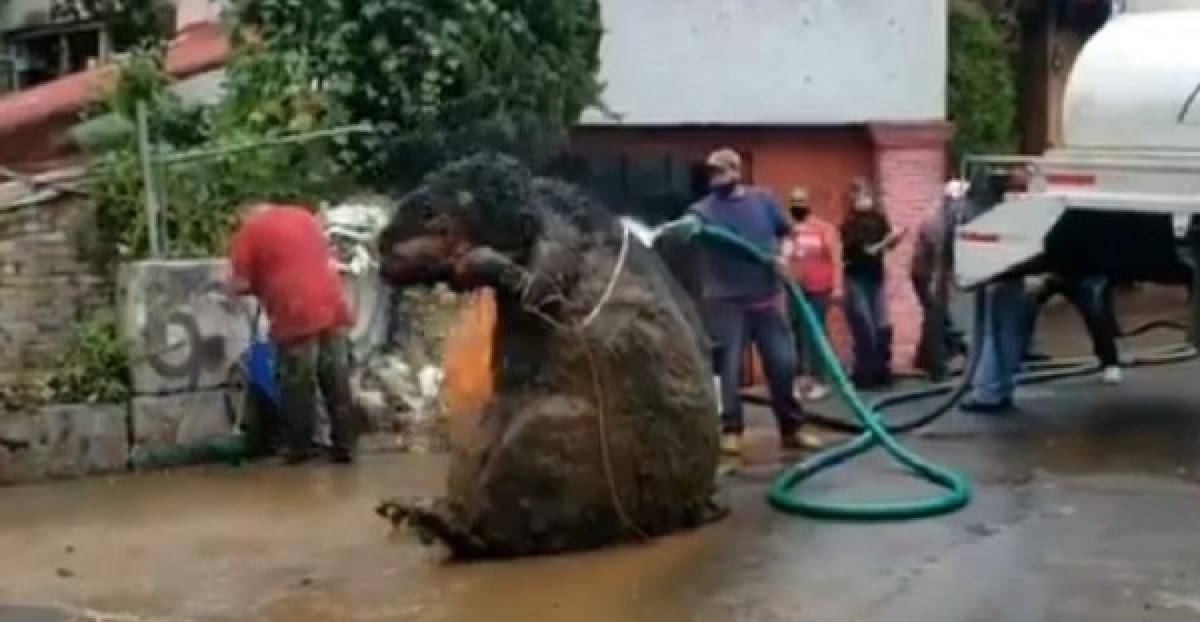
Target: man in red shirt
column 280, row 256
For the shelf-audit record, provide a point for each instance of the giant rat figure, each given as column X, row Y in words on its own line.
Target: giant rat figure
column 602, row 427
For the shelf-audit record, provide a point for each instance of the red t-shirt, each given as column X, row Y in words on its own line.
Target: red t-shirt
column 283, row 257
column 810, row 256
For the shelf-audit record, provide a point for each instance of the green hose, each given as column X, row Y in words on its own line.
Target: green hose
column 782, row 493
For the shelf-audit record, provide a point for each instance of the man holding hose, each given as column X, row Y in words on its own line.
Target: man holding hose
column 744, row 302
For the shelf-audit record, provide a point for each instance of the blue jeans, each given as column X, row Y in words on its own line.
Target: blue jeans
column 733, row 326
column 1005, row 338
column 867, row 317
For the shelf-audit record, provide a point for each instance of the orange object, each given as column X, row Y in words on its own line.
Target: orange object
column 467, row 361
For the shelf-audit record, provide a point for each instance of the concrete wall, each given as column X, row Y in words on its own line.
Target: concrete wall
column 62, row 441
column 772, row 61
column 46, row 287
column 184, row 333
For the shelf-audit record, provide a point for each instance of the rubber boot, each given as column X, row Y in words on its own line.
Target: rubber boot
column 883, row 371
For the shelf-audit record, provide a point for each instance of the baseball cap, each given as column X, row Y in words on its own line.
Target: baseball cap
column 726, row 164
column 800, row 196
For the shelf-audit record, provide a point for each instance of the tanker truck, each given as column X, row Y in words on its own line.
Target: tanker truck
column 1122, row 195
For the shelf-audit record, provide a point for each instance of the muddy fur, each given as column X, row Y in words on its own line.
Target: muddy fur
column 532, row 479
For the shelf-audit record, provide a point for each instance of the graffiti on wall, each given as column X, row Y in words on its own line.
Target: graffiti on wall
column 185, row 333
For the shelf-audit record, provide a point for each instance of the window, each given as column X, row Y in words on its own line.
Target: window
column 37, row 54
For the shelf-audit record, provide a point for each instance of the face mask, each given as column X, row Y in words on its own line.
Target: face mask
column 801, row 213
column 724, row 189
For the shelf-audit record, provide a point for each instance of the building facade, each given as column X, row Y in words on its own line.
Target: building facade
column 814, row 93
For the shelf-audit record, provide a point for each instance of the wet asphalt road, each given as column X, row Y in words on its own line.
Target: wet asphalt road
column 1086, row 509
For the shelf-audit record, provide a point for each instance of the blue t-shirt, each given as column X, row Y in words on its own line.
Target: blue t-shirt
column 728, row 276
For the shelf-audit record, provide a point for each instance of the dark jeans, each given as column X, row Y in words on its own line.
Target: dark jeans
column 808, row 354
column 306, row 366
column 869, row 327
column 938, row 339
column 1093, row 298
column 733, row 327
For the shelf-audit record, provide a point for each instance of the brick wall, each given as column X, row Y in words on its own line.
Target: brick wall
column 910, row 166
column 45, row 287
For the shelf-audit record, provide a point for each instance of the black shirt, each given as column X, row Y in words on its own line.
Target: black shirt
column 863, row 229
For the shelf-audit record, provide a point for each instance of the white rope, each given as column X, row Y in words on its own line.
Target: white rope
column 612, row 281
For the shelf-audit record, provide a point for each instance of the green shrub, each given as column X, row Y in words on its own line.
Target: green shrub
column 981, row 88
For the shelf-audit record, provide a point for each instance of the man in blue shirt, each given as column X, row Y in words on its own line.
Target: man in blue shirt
column 743, row 301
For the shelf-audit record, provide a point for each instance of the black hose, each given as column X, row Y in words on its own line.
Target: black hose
column 1034, row 373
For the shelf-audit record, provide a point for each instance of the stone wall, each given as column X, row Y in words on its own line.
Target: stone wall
column 46, row 287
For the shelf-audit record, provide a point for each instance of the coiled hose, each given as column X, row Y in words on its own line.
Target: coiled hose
column 875, row 433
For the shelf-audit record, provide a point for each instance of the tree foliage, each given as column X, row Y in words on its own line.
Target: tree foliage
column 982, row 94
column 200, row 198
column 438, row 76
column 435, row 77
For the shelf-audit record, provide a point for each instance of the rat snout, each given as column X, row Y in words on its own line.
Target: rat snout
column 417, row 261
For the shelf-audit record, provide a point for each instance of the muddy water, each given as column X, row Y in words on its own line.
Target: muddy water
column 302, row 545
column 1085, row 509
column 293, row 544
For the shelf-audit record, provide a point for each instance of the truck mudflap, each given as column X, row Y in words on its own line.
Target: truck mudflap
column 1004, row 238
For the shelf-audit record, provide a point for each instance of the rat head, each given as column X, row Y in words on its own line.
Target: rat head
column 484, row 201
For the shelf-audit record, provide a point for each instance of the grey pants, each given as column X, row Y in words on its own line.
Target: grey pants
column 320, row 363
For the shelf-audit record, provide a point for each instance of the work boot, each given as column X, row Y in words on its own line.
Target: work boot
column 886, row 335
column 801, row 440
column 731, row 444
column 341, row 455
column 973, row 406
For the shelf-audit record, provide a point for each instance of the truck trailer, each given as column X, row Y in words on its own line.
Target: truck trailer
column 1121, row 196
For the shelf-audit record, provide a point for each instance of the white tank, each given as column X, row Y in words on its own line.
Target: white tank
column 1136, row 84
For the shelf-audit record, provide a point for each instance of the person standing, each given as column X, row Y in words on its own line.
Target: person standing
column 932, row 280
column 1092, row 296
column 813, row 254
column 867, row 238
column 743, row 301
column 1009, row 306
column 280, row 256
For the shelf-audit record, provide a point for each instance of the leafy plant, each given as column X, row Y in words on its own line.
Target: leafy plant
column 200, row 198
column 982, row 94
column 438, row 77
column 95, row 369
